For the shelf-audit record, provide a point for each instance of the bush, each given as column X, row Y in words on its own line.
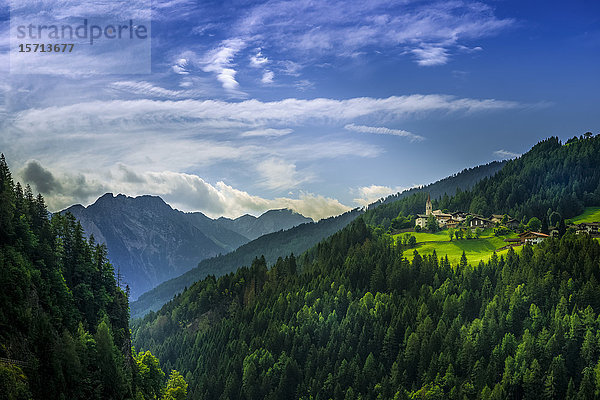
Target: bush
column 502, row 231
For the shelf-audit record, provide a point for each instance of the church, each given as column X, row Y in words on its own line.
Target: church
column 442, row 218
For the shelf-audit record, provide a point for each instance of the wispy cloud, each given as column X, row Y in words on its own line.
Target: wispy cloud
column 267, row 132
column 188, row 114
column 384, row 131
column 258, row 60
column 506, row 154
column 180, row 66
column 277, row 174
column 428, row 55
column 267, row 77
column 303, row 33
column 428, row 30
column 147, row 89
column 193, row 135
column 220, row 62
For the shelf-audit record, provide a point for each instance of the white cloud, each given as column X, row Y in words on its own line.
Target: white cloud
column 267, row 77
column 194, row 114
column 383, row 131
column 506, row 154
column 369, row 194
column 258, row 60
column 186, row 192
column 313, row 206
column 429, row 30
column 304, row 84
column 193, row 135
column 192, row 193
column 267, row 132
column 328, row 149
column 136, row 9
column 220, row 62
column 180, row 67
column 428, row 55
column 148, row 89
column 277, row 174
column 289, row 67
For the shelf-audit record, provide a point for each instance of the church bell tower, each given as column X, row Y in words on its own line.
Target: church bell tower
column 428, row 206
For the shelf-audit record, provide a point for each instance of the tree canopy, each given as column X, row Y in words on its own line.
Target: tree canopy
column 64, row 320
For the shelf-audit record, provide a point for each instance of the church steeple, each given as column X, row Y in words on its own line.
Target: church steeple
column 428, row 206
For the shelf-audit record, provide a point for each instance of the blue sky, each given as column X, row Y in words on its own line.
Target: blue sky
column 319, row 106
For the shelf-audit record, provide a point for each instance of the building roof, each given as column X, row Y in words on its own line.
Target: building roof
column 460, row 213
column 535, row 234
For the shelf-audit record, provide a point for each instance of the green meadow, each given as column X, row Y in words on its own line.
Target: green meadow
column 475, row 249
column 591, row 214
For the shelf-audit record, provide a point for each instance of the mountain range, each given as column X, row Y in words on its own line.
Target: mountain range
column 271, row 221
column 149, row 242
column 295, row 240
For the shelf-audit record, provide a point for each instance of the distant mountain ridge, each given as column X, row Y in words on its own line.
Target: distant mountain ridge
column 149, row 242
column 271, row 221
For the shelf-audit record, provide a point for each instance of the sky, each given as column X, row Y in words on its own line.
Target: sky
column 317, row 106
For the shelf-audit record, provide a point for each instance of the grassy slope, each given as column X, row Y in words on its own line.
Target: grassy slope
column 476, row 249
column 591, row 214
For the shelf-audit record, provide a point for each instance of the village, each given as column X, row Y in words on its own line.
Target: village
column 476, row 223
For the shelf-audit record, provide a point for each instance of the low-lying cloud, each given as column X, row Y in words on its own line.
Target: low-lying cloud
column 60, row 190
column 186, row 192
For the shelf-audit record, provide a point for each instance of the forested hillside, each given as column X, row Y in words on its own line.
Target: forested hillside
column 64, row 320
column 352, row 318
column 465, row 180
column 360, row 321
column 551, row 177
